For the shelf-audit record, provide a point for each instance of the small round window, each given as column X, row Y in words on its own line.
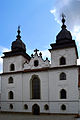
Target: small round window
column 63, row 107
column 36, row 63
column 46, row 107
column 25, row 106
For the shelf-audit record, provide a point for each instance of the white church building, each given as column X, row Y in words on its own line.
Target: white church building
column 33, row 85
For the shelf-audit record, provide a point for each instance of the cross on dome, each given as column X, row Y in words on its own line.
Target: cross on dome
column 18, row 36
column 19, row 29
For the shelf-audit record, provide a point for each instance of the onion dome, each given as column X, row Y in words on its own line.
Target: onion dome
column 64, row 39
column 64, row 35
column 18, row 45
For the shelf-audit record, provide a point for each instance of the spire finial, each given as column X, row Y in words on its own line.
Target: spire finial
column 63, row 21
column 18, row 36
column 40, row 54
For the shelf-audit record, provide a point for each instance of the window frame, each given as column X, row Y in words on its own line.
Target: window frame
column 46, row 107
column 12, row 67
column 37, row 89
column 25, row 106
column 11, row 106
column 62, row 61
column 36, row 63
column 9, row 80
column 63, row 107
column 63, row 94
column 10, row 95
column 62, row 76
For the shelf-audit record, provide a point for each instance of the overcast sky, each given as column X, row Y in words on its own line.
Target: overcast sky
column 40, row 22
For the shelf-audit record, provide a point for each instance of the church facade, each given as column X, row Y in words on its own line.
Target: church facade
column 33, row 85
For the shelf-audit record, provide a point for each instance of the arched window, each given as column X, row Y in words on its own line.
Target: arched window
column 10, row 80
column 12, row 67
column 10, row 95
column 62, row 61
column 63, row 94
column 62, row 76
column 35, row 87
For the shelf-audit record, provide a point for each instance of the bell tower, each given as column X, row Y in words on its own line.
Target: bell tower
column 13, row 60
column 64, row 51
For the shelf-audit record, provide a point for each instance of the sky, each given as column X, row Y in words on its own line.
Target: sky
column 40, row 22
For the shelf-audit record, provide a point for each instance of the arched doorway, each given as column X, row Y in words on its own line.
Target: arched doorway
column 35, row 109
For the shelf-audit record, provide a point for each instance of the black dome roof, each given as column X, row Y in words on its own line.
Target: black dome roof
column 18, row 45
column 64, row 35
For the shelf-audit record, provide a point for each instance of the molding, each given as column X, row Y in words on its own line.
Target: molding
column 40, row 69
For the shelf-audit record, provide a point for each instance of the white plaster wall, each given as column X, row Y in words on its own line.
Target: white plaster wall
column 43, row 83
column 18, row 61
column 54, row 107
column 50, row 87
column 68, row 53
column 49, row 81
column 70, row 84
column 21, row 89
column 71, row 107
column 16, row 87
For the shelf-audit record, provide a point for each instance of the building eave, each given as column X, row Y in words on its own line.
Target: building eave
column 12, row 54
column 40, row 69
column 58, row 46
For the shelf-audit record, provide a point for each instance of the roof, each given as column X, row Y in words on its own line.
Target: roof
column 18, row 45
column 64, row 40
column 12, row 53
column 17, row 48
column 64, row 35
